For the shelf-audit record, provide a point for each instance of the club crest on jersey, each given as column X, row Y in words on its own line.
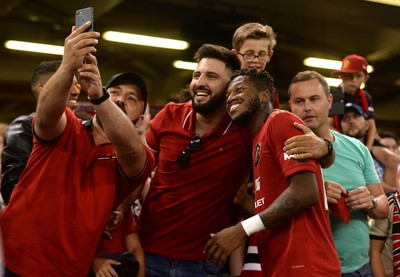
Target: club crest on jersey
column 257, row 154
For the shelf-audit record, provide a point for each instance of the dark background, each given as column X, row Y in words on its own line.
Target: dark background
column 321, row 28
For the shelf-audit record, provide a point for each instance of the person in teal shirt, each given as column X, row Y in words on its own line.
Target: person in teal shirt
column 352, row 175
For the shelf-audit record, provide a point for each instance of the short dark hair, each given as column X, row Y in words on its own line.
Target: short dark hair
column 220, row 53
column 262, row 80
column 43, row 72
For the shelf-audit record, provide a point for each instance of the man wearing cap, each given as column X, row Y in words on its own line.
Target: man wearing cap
column 355, row 124
column 352, row 187
column 77, row 172
column 353, row 73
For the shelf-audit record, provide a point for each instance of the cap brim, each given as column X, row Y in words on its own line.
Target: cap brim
column 338, row 72
column 134, row 78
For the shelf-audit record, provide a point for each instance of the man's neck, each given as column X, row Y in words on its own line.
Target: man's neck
column 254, row 125
column 206, row 122
column 324, row 132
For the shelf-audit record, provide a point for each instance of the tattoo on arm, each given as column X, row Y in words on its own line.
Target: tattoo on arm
column 301, row 193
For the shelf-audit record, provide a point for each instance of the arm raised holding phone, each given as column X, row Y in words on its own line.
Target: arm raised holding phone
column 78, row 171
column 50, row 118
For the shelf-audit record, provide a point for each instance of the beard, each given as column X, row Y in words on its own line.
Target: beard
column 359, row 134
column 213, row 104
column 252, row 108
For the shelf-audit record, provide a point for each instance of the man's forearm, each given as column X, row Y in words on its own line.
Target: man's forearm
column 327, row 161
column 301, row 193
column 381, row 211
column 124, row 136
column 53, row 98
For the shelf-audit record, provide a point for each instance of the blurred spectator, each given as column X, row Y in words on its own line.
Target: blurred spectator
column 355, row 124
column 353, row 74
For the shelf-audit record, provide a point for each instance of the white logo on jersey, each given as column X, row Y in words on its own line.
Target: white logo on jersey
column 259, row 202
column 287, row 156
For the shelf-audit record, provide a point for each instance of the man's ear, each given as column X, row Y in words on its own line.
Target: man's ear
column 265, row 97
column 330, row 100
column 234, row 51
column 37, row 90
column 139, row 121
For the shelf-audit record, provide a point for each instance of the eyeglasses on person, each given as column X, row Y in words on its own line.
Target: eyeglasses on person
column 249, row 56
column 194, row 144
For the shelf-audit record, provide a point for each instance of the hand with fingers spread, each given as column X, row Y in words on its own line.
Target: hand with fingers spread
column 333, row 191
column 307, row 146
column 103, row 267
column 78, row 56
column 77, row 46
column 222, row 244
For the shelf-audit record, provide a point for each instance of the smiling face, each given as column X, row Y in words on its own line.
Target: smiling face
column 208, row 85
column 309, row 102
column 242, row 100
column 257, row 47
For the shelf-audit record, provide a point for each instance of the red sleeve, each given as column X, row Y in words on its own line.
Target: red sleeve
column 281, row 127
column 130, row 226
column 127, row 185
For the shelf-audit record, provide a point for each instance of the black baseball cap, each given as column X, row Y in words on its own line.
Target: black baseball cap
column 131, row 77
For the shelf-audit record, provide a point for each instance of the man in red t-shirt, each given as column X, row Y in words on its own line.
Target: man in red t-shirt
column 292, row 220
column 202, row 160
column 77, row 173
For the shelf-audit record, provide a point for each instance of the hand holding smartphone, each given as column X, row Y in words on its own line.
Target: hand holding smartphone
column 82, row 16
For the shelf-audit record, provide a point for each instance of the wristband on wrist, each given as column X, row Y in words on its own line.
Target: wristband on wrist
column 98, row 101
column 330, row 148
column 253, row 225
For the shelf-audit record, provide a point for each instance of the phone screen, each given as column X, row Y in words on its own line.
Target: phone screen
column 82, row 16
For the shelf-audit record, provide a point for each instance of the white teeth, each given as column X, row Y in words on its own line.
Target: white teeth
column 202, row 93
column 233, row 107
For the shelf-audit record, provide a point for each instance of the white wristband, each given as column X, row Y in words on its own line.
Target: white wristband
column 253, row 225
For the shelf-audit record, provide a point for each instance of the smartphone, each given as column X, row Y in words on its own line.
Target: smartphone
column 82, row 16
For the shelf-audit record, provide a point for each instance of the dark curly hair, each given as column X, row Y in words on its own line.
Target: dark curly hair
column 262, row 80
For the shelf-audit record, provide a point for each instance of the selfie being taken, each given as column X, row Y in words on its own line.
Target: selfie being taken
column 199, row 138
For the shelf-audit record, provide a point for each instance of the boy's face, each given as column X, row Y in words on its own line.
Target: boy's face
column 258, row 47
column 352, row 81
